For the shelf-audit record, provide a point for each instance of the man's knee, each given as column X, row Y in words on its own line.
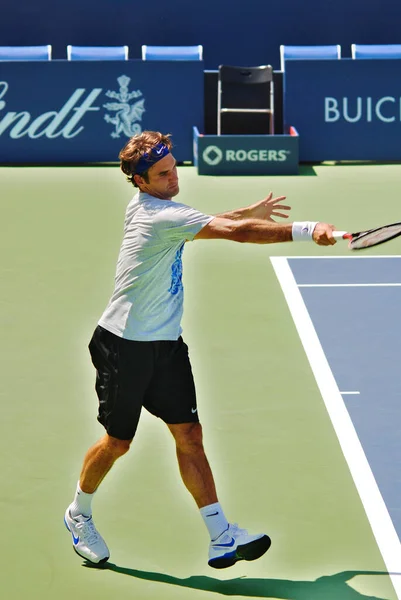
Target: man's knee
column 188, row 437
column 117, row 447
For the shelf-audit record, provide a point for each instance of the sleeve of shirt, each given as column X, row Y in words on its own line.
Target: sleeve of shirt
column 178, row 222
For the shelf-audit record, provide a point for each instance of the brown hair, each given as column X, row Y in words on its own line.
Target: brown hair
column 136, row 147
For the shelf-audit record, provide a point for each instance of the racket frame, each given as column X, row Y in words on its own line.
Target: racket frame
column 354, row 237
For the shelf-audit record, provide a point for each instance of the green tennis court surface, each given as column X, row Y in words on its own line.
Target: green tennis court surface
column 276, row 458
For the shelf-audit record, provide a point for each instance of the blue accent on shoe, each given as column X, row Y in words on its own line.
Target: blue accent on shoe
column 74, row 539
column 229, row 554
column 224, row 560
column 225, row 545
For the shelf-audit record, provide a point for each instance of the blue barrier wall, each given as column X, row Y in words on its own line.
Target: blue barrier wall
column 344, row 110
column 77, row 112
column 231, row 32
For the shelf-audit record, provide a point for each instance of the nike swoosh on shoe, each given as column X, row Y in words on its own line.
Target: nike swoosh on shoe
column 229, row 545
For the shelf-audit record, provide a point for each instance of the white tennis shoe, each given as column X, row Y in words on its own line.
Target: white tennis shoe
column 236, row 544
column 86, row 540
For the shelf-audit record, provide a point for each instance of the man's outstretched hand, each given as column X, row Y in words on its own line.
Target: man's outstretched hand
column 268, row 208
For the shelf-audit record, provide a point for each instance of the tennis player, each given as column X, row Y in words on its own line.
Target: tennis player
column 139, row 355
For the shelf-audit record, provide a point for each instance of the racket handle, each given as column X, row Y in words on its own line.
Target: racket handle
column 339, row 235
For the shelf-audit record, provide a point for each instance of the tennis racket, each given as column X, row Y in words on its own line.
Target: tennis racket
column 370, row 237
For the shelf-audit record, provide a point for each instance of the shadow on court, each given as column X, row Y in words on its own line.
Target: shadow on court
column 307, row 170
column 330, row 587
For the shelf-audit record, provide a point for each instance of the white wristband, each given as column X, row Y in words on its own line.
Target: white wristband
column 303, row 230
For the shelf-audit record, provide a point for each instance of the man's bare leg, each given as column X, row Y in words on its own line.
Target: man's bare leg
column 228, row 543
column 98, row 461
column 194, row 466
column 86, row 540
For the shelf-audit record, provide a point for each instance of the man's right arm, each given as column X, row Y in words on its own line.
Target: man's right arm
column 257, row 231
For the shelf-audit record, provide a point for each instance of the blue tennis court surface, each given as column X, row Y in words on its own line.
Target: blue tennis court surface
column 347, row 313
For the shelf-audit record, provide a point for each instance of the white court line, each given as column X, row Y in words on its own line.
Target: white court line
column 337, row 256
column 312, row 285
column 375, row 508
column 349, row 393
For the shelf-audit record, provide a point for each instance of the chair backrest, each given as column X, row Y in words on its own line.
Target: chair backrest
column 172, row 52
column 26, row 52
column 327, row 52
column 245, row 90
column 245, row 75
column 376, row 50
column 97, row 52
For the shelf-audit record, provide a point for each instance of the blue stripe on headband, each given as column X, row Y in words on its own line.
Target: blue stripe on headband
column 150, row 158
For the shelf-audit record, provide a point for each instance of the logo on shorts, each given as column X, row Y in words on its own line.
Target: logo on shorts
column 193, row 410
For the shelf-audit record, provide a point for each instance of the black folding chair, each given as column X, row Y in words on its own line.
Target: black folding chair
column 247, row 91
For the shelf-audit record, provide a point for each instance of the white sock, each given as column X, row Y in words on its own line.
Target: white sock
column 214, row 519
column 82, row 504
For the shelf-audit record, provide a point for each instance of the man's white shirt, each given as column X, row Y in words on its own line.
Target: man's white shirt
column 147, row 302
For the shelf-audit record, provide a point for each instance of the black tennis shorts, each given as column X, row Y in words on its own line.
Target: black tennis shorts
column 131, row 374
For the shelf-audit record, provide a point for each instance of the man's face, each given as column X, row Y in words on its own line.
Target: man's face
column 163, row 179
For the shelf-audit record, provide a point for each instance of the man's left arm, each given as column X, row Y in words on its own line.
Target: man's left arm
column 265, row 210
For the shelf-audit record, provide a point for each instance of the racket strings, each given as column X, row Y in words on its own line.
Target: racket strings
column 377, row 236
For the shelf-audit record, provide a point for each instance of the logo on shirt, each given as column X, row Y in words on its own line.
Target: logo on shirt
column 176, row 273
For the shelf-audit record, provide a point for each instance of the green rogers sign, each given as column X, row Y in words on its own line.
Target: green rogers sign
column 245, row 155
